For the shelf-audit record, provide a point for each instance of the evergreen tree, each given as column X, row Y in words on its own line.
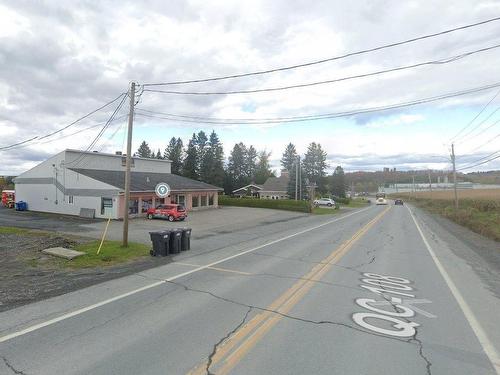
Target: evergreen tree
column 218, row 160
column 251, row 163
column 201, row 146
column 289, row 157
column 263, row 169
column 158, row 155
column 144, row 151
column 337, row 184
column 237, row 166
column 190, row 167
column 174, row 152
column 315, row 164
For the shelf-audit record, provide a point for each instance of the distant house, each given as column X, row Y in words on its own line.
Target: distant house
column 276, row 187
column 247, row 190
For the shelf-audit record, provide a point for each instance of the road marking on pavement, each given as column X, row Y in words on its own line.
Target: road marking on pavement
column 214, row 268
column 252, row 332
column 46, row 323
column 483, row 339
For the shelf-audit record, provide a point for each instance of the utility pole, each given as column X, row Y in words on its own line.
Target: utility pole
column 296, row 177
column 454, row 175
column 430, row 183
column 300, row 180
column 127, row 166
column 413, row 178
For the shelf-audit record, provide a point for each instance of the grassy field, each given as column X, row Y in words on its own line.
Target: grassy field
column 478, row 210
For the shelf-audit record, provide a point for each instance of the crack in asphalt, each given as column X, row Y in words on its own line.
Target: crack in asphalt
column 229, row 334
column 11, row 367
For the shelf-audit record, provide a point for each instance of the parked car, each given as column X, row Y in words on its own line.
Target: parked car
column 171, row 212
column 381, row 201
column 324, row 202
column 398, row 202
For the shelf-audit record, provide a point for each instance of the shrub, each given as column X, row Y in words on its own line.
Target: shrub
column 278, row 204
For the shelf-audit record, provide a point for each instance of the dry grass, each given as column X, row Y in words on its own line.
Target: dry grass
column 493, row 194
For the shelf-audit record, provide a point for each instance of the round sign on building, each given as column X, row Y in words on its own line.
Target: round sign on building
column 162, row 190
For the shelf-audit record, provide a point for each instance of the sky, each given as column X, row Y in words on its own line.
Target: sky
column 60, row 60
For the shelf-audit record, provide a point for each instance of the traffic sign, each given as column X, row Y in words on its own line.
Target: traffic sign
column 162, row 190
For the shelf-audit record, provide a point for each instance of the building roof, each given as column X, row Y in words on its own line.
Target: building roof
column 114, row 155
column 145, row 181
column 276, row 183
column 257, row 187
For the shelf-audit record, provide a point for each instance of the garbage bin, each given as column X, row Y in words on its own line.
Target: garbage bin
column 21, row 206
column 175, row 241
column 160, row 243
column 186, row 239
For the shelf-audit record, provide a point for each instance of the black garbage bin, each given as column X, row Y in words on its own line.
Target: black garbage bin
column 175, row 241
column 186, row 239
column 160, row 243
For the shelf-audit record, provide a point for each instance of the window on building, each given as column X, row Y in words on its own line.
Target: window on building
column 106, row 203
column 180, row 199
column 211, row 200
column 146, row 204
column 133, row 206
column 71, row 199
column 124, row 161
column 196, row 201
column 203, row 201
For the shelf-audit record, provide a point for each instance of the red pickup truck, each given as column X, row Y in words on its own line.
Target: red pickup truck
column 167, row 211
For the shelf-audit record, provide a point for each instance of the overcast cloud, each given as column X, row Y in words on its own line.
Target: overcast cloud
column 59, row 60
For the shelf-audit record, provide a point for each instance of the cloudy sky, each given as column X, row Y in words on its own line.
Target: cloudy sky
column 60, row 60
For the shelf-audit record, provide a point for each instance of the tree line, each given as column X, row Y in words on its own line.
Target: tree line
column 203, row 159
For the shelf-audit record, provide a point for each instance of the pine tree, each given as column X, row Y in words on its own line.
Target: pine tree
column 190, row 167
column 315, row 164
column 212, row 165
column 338, row 182
column 251, row 163
column 237, row 166
column 263, row 170
column 158, row 155
column 144, row 151
column 202, row 147
column 289, row 157
column 174, row 152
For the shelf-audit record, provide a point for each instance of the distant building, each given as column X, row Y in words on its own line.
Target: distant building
column 276, row 187
column 73, row 182
column 251, row 190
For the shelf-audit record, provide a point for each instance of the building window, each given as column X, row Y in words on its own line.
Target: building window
column 124, row 161
column 133, row 206
column 180, row 199
column 146, row 204
column 71, row 199
column 196, row 200
column 203, row 201
column 211, row 200
column 106, row 203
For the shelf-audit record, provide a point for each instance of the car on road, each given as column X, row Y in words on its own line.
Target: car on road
column 381, row 201
column 171, row 212
column 324, row 202
column 398, row 202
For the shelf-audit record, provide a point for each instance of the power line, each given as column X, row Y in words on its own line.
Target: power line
column 316, row 62
column 211, row 120
column 65, row 127
column 485, row 130
column 478, row 164
column 302, row 85
column 462, row 138
column 487, row 142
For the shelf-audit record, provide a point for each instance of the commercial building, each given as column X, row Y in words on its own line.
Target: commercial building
column 92, row 184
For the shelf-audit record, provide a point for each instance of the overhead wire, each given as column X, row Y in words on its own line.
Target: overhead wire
column 329, row 81
column 316, row 62
column 212, row 120
column 481, row 163
column 463, row 138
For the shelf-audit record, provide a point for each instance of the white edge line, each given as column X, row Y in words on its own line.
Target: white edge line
column 146, row 287
column 483, row 339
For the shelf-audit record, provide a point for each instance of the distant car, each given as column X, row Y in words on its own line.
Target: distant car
column 381, row 201
column 171, row 212
column 324, row 202
column 398, row 202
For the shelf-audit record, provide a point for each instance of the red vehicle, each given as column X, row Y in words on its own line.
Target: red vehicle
column 167, row 211
column 8, row 198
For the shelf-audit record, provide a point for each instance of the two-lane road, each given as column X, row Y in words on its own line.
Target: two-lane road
column 375, row 291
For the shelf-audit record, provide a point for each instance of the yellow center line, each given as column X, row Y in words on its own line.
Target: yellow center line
column 253, row 331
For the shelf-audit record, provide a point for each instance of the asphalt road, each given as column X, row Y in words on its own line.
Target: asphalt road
column 374, row 291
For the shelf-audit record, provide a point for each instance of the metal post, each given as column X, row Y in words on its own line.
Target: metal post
column 454, row 175
column 300, row 180
column 127, row 165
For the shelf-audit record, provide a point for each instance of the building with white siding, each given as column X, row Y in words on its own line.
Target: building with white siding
column 89, row 183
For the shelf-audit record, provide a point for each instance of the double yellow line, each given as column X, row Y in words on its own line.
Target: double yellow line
column 245, row 338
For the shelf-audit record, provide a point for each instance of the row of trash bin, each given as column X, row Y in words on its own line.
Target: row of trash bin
column 170, row 241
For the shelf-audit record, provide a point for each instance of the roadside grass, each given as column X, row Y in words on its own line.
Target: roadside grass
column 355, row 203
column 481, row 215
column 24, row 231
column 325, row 211
column 111, row 253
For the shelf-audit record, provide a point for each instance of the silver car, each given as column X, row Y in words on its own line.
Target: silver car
column 324, row 202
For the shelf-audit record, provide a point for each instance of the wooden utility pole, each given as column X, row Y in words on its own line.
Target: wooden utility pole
column 300, row 180
column 127, row 166
column 430, row 183
column 454, row 175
